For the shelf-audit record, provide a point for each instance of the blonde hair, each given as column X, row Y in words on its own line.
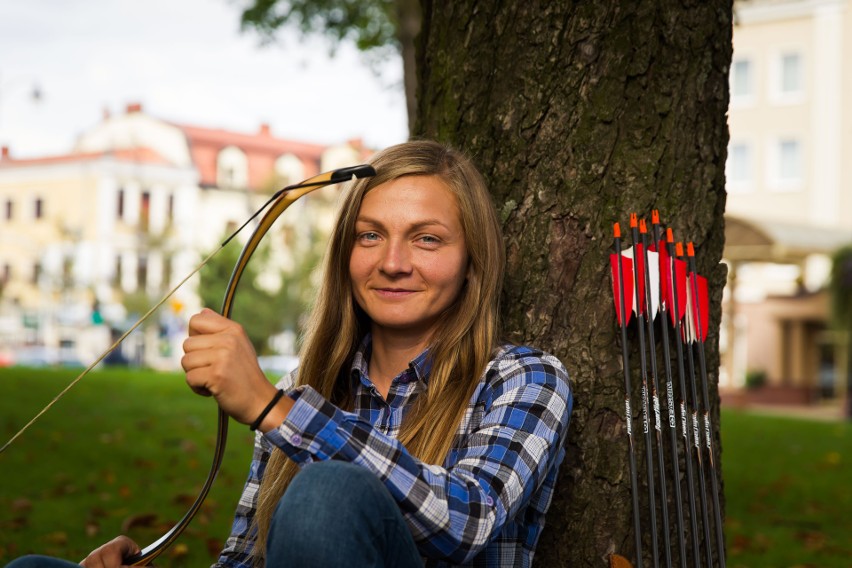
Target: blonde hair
column 460, row 349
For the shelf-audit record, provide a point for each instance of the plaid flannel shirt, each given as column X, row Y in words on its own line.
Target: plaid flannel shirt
column 486, row 505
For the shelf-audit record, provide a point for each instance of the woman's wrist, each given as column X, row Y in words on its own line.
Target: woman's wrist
column 274, row 414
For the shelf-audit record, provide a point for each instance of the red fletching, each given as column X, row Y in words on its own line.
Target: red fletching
column 635, row 254
column 680, row 286
column 664, row 275
column 703, row 305
column 627, row 274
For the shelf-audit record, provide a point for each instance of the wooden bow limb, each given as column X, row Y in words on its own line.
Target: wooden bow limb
column 280, row 201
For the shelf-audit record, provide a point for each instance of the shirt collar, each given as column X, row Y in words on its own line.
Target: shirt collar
column 418, row 368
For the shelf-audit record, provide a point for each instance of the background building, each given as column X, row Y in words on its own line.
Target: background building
column 130, row 211
column 789, row 206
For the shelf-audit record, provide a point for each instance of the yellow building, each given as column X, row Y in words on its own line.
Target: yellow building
column 130, row 210
column 789, row 206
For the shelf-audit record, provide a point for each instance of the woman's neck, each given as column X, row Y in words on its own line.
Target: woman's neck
column 390, row 355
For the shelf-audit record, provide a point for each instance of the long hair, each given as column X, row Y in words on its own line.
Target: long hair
column 459, row 349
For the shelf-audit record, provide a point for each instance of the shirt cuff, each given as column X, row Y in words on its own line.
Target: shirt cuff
column 312, row 429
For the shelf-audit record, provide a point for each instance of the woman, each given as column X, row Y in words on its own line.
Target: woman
column 416, row 436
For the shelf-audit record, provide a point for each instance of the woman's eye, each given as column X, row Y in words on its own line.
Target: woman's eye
column 429, row 239
column 368, row 236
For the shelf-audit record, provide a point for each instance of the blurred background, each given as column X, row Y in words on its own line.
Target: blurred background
column 136, row 136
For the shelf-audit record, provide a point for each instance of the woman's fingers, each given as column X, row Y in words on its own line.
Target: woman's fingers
column 111, row 554
column 220, row 361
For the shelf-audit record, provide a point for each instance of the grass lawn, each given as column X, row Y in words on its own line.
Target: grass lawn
column 123, row 452
column 127, row 451
column 788, row 487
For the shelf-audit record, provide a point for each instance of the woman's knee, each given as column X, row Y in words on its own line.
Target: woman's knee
column 38, row 561
column 335, row 514
column 335, row 489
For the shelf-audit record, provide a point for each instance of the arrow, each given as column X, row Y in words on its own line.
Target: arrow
column 678, row 289
column 699, row 312
column 652, row 305
column 646, row 419
column 620, row 271
column 665, row 305
column 691, row 329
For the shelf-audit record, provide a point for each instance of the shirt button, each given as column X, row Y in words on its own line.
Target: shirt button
column 295, row 439
column 489, row 501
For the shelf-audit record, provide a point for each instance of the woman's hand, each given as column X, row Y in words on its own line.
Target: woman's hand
column 220, row 361
column 112, row 554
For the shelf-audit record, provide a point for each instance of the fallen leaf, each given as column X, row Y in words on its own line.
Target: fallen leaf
column 140, row 520
column 58, row 537
column 179, row 550
column 813, row 540
column 214, row 547
column 22, row 505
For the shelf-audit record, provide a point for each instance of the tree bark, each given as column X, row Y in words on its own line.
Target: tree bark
column 579, row 113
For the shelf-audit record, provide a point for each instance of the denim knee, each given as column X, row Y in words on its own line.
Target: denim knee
column 38, row 561
column 334, row 491
column 335, row 513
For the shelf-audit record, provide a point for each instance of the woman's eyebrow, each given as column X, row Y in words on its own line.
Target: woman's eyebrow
column 418, row 225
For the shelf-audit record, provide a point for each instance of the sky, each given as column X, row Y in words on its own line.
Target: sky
column 185, row 61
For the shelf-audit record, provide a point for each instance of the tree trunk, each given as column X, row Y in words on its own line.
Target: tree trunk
column 408, row 16
column 579, row 113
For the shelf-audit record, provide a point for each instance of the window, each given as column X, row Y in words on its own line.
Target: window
column 6, row 276
column 10, row 209
column 787, row 78
column 144, row 211
column 290, row 169
column 170, row 208
column 38, row 208
column 787, row 164
column 141, row 272
column 36, row 276
column 791, row 73
column 791, row 160
column 119, row 210
column 742, row 80
column 232, row 168
column 118, row 272
column 739, row 167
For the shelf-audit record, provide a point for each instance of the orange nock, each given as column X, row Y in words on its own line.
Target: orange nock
column 690, row 250
column 616, row 231
column 642, row 227
column 669, row 236
column 655, row 217
column 633, row 223
column 679, row 249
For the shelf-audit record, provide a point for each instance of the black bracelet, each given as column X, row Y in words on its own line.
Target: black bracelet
column 256, row 424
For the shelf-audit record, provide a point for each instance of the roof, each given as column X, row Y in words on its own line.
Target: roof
column 758, row 240
column 261, row 150
column 135, row 155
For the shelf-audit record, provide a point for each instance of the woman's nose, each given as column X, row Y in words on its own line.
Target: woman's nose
column 396, row 259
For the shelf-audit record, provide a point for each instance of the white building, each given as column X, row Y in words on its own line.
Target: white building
column 789, row 183
column 130, row 211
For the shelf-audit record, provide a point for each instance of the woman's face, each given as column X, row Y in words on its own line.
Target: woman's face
column 409, row 261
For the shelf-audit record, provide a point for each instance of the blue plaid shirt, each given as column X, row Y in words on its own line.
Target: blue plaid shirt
column 486, row 505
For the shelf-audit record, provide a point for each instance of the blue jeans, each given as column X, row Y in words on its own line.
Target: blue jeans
column 35, row 561
column 335, row 513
